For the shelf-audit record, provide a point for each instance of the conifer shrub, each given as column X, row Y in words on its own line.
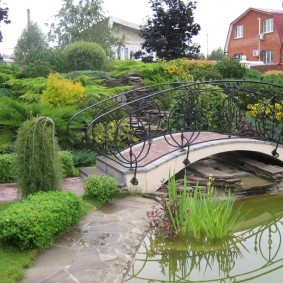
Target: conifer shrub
column 100, row 187
column 83, row 158
column 82, row 55
column 7, row 174
column 66, row 162
column 34, row 222
column 61, row 92
column 37, row 164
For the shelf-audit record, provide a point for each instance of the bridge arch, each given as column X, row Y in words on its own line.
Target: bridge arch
column 231, row 114
column 153, row 173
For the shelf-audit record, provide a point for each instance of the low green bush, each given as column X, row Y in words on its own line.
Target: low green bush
column 7, row 174
column 34, row 222
column 100, row 187
column 82, row 55
column 66, row 163
column 83, row 158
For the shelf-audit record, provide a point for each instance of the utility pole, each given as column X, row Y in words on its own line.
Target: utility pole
column 28, row 17
column 207, row 46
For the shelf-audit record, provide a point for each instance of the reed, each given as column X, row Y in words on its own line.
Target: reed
column 177, row 207
column 201, row 215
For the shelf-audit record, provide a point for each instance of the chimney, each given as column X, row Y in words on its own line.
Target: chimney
column 28, row 16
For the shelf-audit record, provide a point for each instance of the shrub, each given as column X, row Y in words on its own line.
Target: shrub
column 83, row 158
column 22, row 86
column 61, row 92
column 66, row 162
column 100, row 187
column 34, row 222
column 37, row 163
column 231, row 69
column 7, row 173
column 83, row 55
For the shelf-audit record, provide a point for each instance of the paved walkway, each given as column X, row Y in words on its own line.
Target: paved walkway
column 100, row 249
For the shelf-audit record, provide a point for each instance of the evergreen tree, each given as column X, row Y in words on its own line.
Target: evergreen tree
column 170, row 30
column 31, row 40
column 37, row 162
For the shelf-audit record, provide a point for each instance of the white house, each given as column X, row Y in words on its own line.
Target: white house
column 130, row 31
column 133, row 41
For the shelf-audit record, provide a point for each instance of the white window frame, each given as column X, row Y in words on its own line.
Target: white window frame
column 238, row 56
column 267, row 56
column 126, row 53
column 268, row 25
column 239, row 31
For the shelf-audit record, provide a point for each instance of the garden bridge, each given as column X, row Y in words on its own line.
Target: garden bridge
column 143, row 134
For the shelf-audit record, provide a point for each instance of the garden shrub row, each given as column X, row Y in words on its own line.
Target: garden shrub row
column 34, row 222
column 8, row 171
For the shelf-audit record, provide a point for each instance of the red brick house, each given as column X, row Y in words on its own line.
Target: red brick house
column 257, row 34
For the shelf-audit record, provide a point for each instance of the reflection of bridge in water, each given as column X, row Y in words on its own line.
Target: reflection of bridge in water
column 142, row 134
column 254, row 255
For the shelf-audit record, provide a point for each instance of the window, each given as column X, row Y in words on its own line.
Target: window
column 238, row 56
column 239, row 31
column 126, row 53
column 267, row 56
column 268, row 25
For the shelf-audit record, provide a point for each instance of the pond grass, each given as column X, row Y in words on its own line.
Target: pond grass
column 201, row 214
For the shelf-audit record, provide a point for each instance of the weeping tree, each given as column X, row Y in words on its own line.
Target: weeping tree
column 37, row 162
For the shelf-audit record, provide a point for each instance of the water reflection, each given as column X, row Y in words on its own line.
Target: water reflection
column 253, row 254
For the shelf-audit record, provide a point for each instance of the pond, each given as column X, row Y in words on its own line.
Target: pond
column 253, row 254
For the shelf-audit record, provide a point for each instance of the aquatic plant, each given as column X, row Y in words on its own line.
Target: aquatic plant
column 199, row 215
column 209, row 217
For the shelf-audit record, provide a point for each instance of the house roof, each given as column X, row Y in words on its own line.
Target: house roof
column 276, row 14
column 124, row 23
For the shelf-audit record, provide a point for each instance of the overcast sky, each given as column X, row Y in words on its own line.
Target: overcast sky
column 214, row 17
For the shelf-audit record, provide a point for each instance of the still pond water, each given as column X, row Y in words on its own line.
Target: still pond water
column 254, row 254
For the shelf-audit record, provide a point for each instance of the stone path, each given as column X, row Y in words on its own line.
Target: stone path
column 99, row 249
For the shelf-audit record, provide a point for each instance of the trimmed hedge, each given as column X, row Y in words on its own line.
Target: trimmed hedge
column 34, row 222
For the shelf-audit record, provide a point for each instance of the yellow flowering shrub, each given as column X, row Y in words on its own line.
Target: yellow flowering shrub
column 274, row 72
column 267, row 112
column 183, row 67
column 61, row 92
column 107, row 133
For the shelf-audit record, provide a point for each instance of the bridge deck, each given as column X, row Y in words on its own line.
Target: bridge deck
column 161, row 146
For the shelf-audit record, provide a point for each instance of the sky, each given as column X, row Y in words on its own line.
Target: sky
column 214, row 17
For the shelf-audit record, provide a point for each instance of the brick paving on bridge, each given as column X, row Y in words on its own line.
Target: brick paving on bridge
column 161, row 146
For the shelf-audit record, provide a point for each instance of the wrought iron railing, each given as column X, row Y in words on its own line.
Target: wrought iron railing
column 178, row 112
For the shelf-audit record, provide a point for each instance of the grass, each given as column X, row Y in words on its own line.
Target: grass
column 212, row 218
